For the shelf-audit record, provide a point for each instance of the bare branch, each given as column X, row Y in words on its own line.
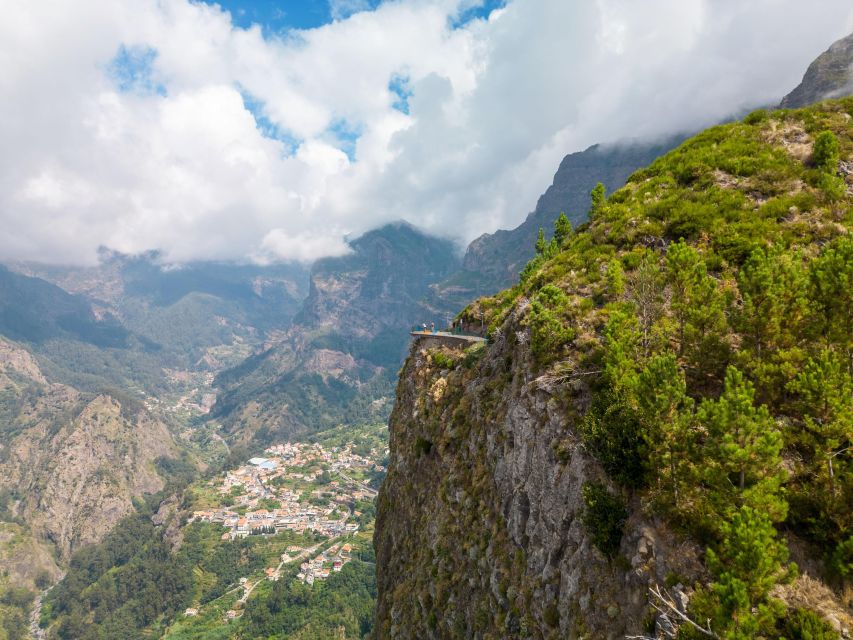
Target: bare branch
column 672, row 609
column 838, row 453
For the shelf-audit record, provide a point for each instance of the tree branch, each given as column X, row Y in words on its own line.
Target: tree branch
column 666, row 606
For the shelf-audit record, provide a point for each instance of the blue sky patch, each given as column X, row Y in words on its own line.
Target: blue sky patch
column 480, row 11
column 400, row 87
column 132, row 70
column 276, row 15
column 346, row 134
column 267, row 127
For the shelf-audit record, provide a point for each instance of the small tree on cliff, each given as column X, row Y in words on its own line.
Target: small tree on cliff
column 743, row 465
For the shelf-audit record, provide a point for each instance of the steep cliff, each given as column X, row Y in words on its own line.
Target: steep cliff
column 829, row 76
column 645, row 416
column 479, row 531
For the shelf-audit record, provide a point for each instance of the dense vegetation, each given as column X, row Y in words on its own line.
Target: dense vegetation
column 340, row 607
column 132, row 582
column 15, row 604
column 707, row 309
column 120, row 586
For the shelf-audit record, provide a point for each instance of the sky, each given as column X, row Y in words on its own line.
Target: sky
column 272, row 131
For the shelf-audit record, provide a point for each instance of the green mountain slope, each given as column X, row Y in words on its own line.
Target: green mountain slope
column 35, row 311
column 665, row 403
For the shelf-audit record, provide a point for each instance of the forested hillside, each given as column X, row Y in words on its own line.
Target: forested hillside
column 665, row 403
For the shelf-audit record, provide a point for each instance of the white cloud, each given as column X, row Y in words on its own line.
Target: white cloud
column 278, row 244
column 168, row 156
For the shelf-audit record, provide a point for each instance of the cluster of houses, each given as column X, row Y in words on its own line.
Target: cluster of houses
column 337, row 458
column 329, row 513
column 264, row 522
column 332, row 559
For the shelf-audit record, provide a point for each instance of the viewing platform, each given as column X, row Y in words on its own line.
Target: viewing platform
column 446, row 338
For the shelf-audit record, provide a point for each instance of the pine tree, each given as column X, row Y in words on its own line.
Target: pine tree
column 597, row 196
column 646, row 292
column 772, row 287
column 699, row 309
column 622, row 352
column 743, row 464
column 831, row 276
column 747, row 563
column 667, row 415
column 553, row 249
column 562, row 229
column 541, row 245
column 615, row 279
column 825, row 390
column 771, row 319
column 684, row 268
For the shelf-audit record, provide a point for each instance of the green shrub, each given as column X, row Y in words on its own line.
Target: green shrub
column 803, row 624
column 443, row 360
column 612, row 431
column 842, row 559
column 549, row 333
column 826, row 152
column 604, row 517
column 551, row 616
column 832, row 186
column 423, row 447
column 473, row 354
column 757, row 117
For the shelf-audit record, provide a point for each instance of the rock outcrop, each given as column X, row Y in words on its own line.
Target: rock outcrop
column 829, row 76
column 479, row 531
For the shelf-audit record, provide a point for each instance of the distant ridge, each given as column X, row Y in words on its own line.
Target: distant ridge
column 829, row 76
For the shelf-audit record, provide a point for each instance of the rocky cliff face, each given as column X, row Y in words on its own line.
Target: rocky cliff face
column 72, row 462
column 829, row 76
column 479, row 531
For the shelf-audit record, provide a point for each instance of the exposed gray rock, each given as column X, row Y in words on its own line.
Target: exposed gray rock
column 829, row 76
column 487, row 518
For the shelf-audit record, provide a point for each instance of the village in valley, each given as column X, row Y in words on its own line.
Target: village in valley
column 298, row 487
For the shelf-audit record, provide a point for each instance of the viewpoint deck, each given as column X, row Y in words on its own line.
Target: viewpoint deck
column 445, row 338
